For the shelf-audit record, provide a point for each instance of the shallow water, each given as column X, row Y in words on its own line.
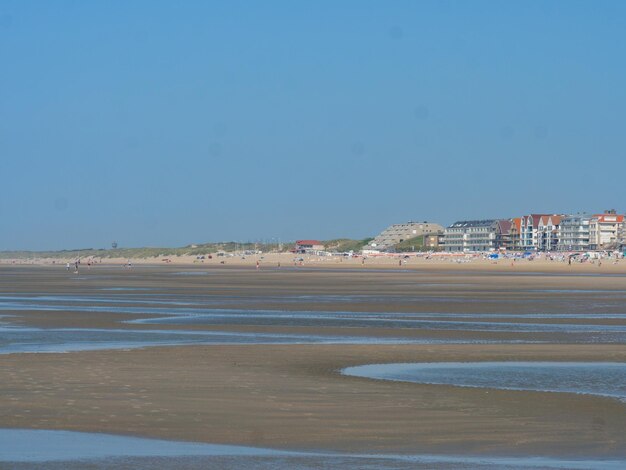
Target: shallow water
column 606, row 379
column 174, row 314
column 26, row 445
column 69, row 450
column 448, row 327
column 60, row 340
column 58, row 302
column 124, row 289
column 380, row 320
column 586, row 298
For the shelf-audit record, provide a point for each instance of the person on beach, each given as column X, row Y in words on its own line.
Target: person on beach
column 67, row 266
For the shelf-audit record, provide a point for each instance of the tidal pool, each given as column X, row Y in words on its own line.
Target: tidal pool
column 567, row 327
column 377, row 320
column 606, row 379
column 124, row 289
column 15, row 339
column 26, row 449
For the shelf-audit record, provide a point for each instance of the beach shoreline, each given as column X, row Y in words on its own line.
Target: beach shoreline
column 402, row 261
column 293, row 396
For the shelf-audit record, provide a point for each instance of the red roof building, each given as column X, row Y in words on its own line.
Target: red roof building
column 604, row 230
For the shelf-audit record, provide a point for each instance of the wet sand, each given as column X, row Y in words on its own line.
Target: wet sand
column 293, row 396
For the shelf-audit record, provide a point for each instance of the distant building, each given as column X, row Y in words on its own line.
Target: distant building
column 605, row 230
column 539, row 232
column 398, row 233
column 434, row 241
column 621, row 236
column 548, row 232
column 503, row 234
column 471, row 235
column 307, row 246
column 574, row 233
column 515, row 242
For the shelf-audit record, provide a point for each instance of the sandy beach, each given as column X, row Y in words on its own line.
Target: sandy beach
column 293, row 396
column 414, row 261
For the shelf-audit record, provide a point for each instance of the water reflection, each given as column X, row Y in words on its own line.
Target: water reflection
column 594, row 378
column 568, row 327
column 180, row 313
column 59, row 340
column 26, row 449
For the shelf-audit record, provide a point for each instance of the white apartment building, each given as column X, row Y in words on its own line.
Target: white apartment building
column 574, row 233
column 546, row 235
column 604, row 230
column 471, row 235
column 539, row 232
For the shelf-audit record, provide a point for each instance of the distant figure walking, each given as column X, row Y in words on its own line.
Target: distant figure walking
column 67, row 266
column 258, row 265
column 76, row 267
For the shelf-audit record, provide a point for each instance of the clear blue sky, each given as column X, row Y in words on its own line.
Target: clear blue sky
column 167, row 123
